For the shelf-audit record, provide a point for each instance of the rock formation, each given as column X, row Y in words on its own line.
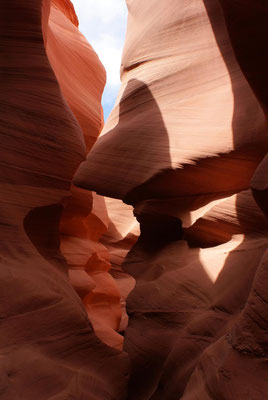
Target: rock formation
column 48, row 346
column 181, row 145
column 85, row 219
column 92, row 306
column 186, row 125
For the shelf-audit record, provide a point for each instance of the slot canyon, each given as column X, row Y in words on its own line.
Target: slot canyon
column 134, row 253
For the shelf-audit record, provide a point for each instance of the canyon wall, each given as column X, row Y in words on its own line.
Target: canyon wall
column 169, row 304
column 186, row 135
column 49, row 349
column 85, row 219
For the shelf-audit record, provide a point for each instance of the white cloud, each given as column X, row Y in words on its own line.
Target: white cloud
column 109, row 50
column 103, row 22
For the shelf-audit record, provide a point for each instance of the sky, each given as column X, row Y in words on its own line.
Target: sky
column 103, row 23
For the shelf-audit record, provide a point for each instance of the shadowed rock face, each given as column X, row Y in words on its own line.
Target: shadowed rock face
column 48, row 347
column 182, row 144
column 186, row 123
column 185, row 147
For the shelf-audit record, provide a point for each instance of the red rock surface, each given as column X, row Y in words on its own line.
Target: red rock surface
column 77, row 68
column 84, row 219
column 186, row 147
column 186, row 137
column 48, row 346
column 184, row 103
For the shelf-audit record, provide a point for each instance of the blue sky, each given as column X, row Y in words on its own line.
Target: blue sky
column 103, row 22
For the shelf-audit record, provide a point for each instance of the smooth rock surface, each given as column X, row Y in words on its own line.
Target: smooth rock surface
column 48, row 347
column 186, row 124
column 85, row 219
column 186, row 148
column 186, row 137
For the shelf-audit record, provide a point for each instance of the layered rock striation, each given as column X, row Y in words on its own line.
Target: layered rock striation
column 48, row 346
column 183, row 314
column 186, row 117
column 185, row 141
column 85, row 219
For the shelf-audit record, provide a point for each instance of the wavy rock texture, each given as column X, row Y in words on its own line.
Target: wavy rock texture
column 186, row 299
column 85, row 219
column 77, row 68
column 189, row 125
column 186, row 137
column 48, row 347
column 186, row 141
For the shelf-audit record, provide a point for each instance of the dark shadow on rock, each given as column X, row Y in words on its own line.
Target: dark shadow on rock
column 169, row 292
column 152, row 330
column 158, row 230
column 41, row 225
column 246, row 22
column 162, row 372
column 139, row 143
column 232, row 287
column 148, row 137
column 245, row 156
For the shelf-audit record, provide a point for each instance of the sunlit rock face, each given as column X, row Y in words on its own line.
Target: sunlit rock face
column 48, row 346
column 184, row 144
column 187, row 124
column 77, row 68
column 85, row 219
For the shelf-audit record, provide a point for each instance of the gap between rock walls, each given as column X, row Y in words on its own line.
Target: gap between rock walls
column 134, row 253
